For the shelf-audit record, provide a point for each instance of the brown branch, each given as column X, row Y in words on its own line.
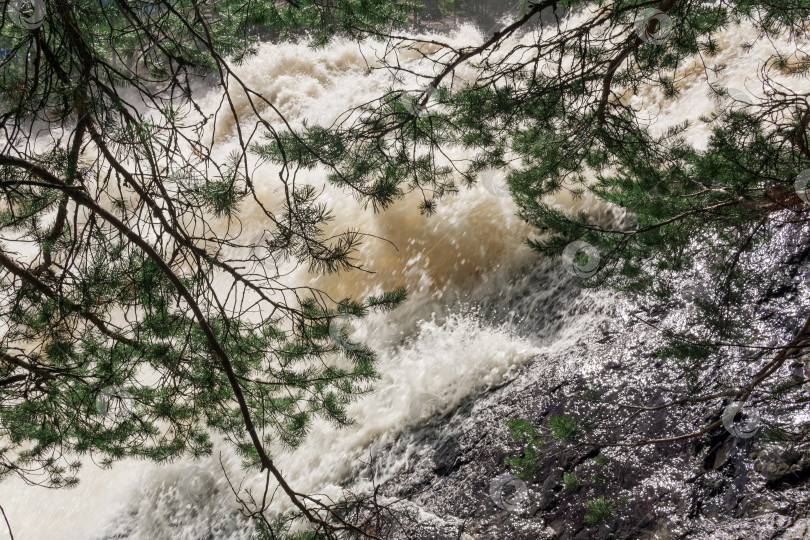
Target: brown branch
column 8, row 525
column 61, row 213
column 215, row 348
column 801, row 133
column 496, row 37
column 673, row 219
column 13, row 379
column 631, row 45
column 174, row 228
column 31, row 279
column 801, row 340
column 40, row 372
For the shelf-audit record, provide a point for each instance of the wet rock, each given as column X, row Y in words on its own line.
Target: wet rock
column 800, row 530
column 447, row 456
column 784, row 466
column 714, row 487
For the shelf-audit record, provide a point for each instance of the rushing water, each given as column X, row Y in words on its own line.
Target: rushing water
column 481, row 304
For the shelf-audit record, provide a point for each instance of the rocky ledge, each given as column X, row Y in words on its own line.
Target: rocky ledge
column 734, row 482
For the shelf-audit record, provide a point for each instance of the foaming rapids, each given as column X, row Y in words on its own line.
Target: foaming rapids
column 480, row 306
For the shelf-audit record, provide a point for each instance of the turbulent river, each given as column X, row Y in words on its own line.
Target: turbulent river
column 480, row 305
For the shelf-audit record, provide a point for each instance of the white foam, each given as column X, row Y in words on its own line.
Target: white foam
column 474, row 235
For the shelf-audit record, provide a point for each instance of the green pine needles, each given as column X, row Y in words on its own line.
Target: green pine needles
column 600, row 510
column 527, row 466
column 659, row 212
column 136, row 318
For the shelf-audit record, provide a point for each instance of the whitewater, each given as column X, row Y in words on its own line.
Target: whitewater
column 474, row 315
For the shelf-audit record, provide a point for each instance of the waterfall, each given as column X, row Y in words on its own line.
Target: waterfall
column 481, row 304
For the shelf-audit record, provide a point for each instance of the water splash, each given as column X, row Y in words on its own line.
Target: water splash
column 436, row 345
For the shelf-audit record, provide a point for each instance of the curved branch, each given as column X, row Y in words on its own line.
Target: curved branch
column 215, row 347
